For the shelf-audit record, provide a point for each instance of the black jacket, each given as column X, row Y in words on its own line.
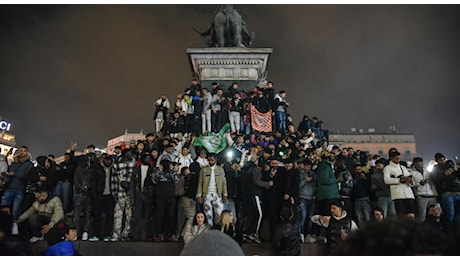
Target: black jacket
column 252, row 183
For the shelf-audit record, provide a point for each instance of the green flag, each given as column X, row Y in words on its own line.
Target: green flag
column 214, row 143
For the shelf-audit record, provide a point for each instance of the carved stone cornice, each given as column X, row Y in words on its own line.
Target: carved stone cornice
column 229, row 63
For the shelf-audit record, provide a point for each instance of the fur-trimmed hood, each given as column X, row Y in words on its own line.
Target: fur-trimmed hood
column 20, row 159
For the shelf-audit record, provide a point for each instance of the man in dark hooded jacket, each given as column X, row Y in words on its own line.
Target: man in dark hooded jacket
column 287, row 236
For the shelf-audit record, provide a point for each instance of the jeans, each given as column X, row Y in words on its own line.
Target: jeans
column 306, row 211
column 448, row 201
column 318, row 132
column 363, row 210
column 13, row 198
column 230, row 205
column 64, row 191
column 280, row 121
column 247, row 128
column 387, row 205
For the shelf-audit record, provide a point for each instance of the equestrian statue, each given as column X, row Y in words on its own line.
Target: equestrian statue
column 227, row 29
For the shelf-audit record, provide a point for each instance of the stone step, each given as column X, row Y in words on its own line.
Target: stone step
column 140, row 248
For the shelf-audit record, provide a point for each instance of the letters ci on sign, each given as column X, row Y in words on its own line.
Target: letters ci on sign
column 5, row 125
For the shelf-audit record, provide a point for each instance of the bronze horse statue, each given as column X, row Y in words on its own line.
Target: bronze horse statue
column 227, row 29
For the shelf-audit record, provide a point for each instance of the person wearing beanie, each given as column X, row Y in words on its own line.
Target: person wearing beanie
column 56, row 234
column 447, row 183
column 338, row 225
column 214, row 87
column 45, row 173
column 439, row 171
column 168, row 154
column 439, row 156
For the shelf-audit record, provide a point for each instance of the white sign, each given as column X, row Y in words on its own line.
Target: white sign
column 5, row 125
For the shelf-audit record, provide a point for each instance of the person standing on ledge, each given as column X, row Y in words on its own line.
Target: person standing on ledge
column 162, row 105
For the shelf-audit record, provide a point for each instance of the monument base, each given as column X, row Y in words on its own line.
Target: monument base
column 246, row 66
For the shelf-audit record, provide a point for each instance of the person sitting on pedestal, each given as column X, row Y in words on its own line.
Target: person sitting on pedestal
column 44, row 213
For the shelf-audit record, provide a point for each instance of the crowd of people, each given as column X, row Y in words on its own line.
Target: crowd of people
column 263, row 186
column 200, row 110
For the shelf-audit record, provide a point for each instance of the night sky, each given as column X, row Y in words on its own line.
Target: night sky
column 86, row 73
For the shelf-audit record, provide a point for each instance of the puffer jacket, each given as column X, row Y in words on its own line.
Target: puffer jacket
column 391, row 175
column 51, row 207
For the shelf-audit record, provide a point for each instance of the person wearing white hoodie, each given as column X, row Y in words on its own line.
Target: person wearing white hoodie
column 184, row 159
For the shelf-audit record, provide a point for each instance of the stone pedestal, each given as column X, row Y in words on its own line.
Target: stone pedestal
column 246, row 66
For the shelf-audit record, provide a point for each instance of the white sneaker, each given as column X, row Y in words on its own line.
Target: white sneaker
column 302, row 238
column 114, row 239
column 35, row 239
column 15, row 230
column 93, row 239
column 84, row 237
